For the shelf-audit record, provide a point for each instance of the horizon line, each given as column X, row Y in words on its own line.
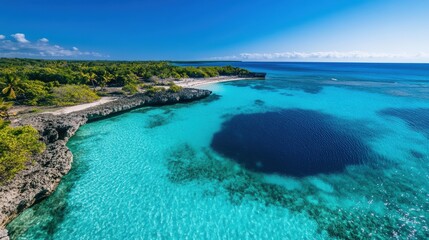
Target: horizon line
column 200, row 61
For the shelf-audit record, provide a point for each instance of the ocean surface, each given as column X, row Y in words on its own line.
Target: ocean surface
column 315, row 151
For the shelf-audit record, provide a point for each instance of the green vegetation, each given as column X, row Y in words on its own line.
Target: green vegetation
column 41, row 82
column 153, row 89
column 17, row 145
column 130, row 88
column 35, row 93
column 67, row 95
column 4, row 109
column 174, row 88
column 11, row 85
column 64, row 83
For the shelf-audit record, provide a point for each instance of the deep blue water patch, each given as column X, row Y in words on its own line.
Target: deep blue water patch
column 417, row 119
column 293, row 142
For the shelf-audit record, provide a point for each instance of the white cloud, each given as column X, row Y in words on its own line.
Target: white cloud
column 20, row 37
column 41, row 49
column 44, row 40
column 329, row 55
column 2, row 37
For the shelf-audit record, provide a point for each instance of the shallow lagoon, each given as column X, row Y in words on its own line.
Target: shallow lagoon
column 170, row 172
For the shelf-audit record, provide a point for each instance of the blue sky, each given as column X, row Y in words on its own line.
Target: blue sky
column 281, row 30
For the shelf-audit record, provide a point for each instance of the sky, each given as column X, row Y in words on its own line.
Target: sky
column 249, row 30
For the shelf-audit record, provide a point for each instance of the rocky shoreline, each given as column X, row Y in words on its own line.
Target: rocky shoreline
column 41, row 178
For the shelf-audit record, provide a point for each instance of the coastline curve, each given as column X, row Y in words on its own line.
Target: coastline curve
column 41, row 177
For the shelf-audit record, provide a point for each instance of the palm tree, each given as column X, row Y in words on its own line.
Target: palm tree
column 11, row 86
column 84, row 77
column 107, row 77
column 4, row 109
column 90, row 77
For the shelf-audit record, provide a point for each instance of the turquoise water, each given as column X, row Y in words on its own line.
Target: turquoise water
column 170, row 173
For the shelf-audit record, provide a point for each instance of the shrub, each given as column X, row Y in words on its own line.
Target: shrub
column 34, row 93
column 17, row 145
column 4, row 109
column 35, row 110
column 130, row 88
column 175, row 88
column 68, row 95
column 152, row 90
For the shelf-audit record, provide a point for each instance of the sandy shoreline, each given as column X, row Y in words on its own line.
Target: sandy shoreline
column 81, row 107
column 193, row 82
column 186, row 83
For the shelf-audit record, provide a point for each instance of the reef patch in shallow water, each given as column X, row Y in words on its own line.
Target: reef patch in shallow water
column 293, row 142
column 212, row 98
column 259, row 102
column 43, row 220
column 416, row 154
column 333, row 208
column 417, row 119
column 160, row 119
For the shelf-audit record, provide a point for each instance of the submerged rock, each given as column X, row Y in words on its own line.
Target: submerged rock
column 43, row 175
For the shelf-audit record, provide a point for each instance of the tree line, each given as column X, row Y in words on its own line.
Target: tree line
column 32, row 82
column 62, row 83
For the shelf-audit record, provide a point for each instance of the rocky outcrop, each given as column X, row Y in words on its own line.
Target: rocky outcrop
column 42, row 176
column 255, row 75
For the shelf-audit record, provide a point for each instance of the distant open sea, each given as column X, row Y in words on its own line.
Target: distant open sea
column 315, row 151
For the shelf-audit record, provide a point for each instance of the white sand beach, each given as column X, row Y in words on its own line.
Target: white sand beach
column 80, row 107
column 193, row 82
